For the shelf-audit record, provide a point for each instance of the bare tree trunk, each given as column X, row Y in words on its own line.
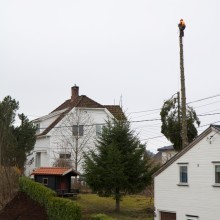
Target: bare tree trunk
column 183, row 96
column 8, row 181
column 117, row 200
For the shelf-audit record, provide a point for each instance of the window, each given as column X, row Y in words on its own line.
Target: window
column 78, row 130
column 45, row 181
column 192, row 217
column 217, row 174
column 183, row 174
column 65, row 156
column 38, row 128
column 38, row 159
column 98, row 130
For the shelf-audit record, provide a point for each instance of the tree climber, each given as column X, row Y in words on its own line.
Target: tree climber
column 181, row 26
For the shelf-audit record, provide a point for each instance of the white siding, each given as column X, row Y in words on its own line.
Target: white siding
column 42, row 146
column 200, row 198
column 51, row 145
column 166, row 155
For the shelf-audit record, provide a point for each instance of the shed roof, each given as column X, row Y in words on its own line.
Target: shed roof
column 57, row 171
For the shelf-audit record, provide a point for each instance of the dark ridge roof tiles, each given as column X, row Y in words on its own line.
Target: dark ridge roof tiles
column 83, row 102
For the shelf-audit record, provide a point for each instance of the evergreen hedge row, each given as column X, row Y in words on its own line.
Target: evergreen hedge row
column 63, row 209
column 35, row 190
column 57, row 208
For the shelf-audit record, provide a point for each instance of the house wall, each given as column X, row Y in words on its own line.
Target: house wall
column 58, row 143
column 45, row 121
column 199, row 198
column 56, row 140
column 166, row 155
column 42, row 147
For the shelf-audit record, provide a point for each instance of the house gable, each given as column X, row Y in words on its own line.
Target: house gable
column 197, row 193
column 187, row 148
column 82, row 101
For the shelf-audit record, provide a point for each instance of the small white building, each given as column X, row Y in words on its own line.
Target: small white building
column 69, row 131
column 164, row 154
column 187, row 187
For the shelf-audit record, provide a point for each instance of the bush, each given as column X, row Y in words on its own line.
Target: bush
column 100, row 217
column 35, row 190
column 60, row 208
column 57, row 208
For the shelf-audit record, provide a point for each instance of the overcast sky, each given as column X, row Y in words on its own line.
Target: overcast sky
column 127, row 48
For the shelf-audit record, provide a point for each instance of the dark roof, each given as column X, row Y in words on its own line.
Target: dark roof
column 187, row 148
column 116, row 111
column 54, row 123
column 83, row 102
column 80, row 101
column 58, row 171
column 166, row 148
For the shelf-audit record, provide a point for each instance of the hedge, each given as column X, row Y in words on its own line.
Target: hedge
column 35, row 190
column 57, row 208
column 100, row 217
column 65, row 209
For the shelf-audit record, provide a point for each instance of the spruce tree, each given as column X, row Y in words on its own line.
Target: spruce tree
column 25, row 140
column 15, row 141
column 117, row 166
column 171, row 123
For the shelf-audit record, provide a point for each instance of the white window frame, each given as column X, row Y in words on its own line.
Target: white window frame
column 65, row 155
column 181, row 182
column 98, row 129
column 217, row 170
column 192, row 217
column 45, row 181
column 215, row 165
column 38, row 159
column 78, row 130
column 38, row 127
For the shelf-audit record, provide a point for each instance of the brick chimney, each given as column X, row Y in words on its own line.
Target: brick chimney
column 75, row 92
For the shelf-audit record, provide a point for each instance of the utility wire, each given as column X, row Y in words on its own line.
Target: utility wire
column 157, row 109
column 151, row 110
column 205, row 105
column 199, row 100
column 145, row 120
column 209, row 114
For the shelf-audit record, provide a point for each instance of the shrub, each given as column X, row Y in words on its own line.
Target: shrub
column 100, row 217
column 57, row 208
column 35, row 190
column 60, row 208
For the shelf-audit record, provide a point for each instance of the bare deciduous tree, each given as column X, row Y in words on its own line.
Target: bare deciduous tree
column 74, row 137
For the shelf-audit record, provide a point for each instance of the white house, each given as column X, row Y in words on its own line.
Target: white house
column 69, row 130
column 187, row 187
column 164, row 154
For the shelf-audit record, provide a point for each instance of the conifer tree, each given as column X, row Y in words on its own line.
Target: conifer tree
column 118, row 165
column 25, row 140
column 171, row 123
column 15, row 141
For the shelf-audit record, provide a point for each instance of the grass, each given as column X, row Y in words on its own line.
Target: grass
column 132, row 207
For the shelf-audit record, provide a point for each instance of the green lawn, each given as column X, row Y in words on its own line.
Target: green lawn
column 132, row 207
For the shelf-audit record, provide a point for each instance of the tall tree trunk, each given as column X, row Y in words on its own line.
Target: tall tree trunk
column 117, row 200
column 183, row 97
